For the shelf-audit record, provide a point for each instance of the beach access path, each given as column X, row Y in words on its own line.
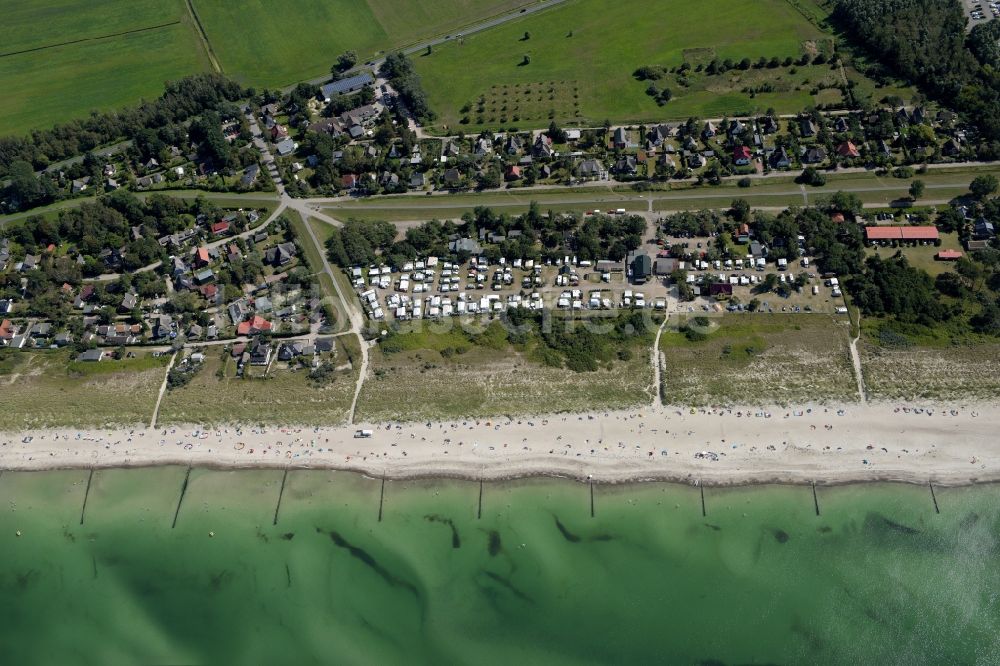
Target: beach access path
column 940, row 443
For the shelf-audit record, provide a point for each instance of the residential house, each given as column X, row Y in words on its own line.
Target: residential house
column 620, row 139
column 250, row 175
column 742, row 155
column 253, row 326
column 847, row 149
column 483, row 147
column 807, row 127
column 513, row 145
column 91, row 356
column 219, row 228
column 951, row 148
column 285, row 147
column 260, row 352
column 452, row 177
column 7, row 332
column 779, row 159
column 814, row 155
column 417, row 181
column 627, row 166
column 466, row 245
column 983, row 230
column 280, row 254
column 708, row 131
column 201, row 257
column 542, row 147
column 204, row 276
column 129, row 301
column 238, row 311
column 592, row 169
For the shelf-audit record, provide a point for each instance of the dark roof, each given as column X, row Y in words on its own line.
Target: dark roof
column 347, row 85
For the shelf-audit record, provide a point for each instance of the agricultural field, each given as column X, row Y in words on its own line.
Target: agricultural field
column 61, row 59
column 593, row 50
column 439, row 375
column 216, row 396
column 278, row 45
column 46, row 389
column 759, row 359
column 965, row 372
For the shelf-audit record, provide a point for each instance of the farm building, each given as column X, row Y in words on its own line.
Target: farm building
column 346, row 86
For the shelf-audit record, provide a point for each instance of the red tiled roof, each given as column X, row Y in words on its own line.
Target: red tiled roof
column 848, row 149
column 203, row 255
column 220, row 227
column 742, row 152
column 257, row 324
column 948, row 255
column 5, row 330
column 918, row 233
column 837, row 217
column 901, row 233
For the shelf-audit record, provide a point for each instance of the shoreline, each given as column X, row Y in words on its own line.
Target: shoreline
column 946, row 444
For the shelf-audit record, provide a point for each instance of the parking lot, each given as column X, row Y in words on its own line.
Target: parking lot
column 980, row 12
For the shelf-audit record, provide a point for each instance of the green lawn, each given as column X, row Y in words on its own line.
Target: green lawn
column 107, row 70
column 595, row 48
column 922, row 256
column 279, row 44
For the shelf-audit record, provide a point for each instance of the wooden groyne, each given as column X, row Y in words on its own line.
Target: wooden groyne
column 281, row 493
column 180, row 500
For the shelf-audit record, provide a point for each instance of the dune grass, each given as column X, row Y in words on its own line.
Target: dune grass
column 760, row 359
column 46, row 389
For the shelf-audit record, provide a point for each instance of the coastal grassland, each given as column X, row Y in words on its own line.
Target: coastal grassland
column 46, row 389
column 759, row 359
column 217, row 396
column 441, row 371
column 277, row 46
column 930, row 368
column 586, row 52
column 63, row 59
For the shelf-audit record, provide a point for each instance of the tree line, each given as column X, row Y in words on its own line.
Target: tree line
column 180, row 101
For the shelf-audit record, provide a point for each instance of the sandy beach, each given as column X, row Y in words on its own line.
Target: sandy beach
column 946, row 444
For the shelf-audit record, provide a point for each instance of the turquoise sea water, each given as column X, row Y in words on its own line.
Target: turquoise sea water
column 878, row 577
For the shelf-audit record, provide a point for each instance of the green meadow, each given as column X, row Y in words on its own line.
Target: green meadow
column 62, row 59
column 278, row 45
column 592, row 49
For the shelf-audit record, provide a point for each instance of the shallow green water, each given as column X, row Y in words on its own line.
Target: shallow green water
column 879, row 577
